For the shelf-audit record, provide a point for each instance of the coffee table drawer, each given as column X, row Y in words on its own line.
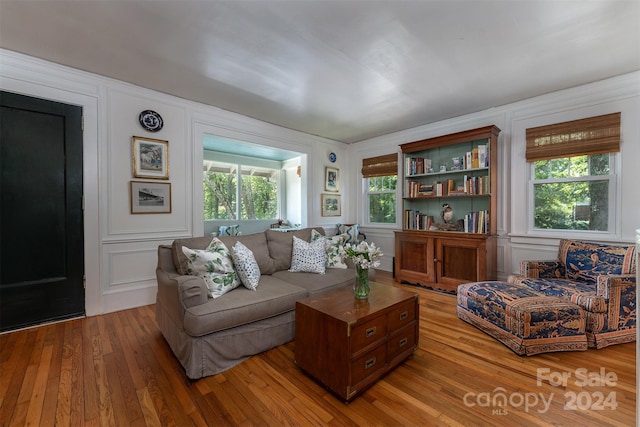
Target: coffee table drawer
column 368, row 364
column 402, row 342
column 402, row 316
column 368, row 332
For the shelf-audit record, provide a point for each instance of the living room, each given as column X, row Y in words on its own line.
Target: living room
column 120, row 249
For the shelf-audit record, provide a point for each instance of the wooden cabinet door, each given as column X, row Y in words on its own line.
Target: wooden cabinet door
column 414, row 258
column 459, row 261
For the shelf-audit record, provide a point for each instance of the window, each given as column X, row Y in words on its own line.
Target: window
column 572, row 193
column 381, row 174
column 225, row 184
column 572, row 165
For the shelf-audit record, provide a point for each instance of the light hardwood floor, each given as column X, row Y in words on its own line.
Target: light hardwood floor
column 117, row 370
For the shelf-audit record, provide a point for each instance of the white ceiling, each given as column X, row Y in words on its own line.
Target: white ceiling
column 345, row 70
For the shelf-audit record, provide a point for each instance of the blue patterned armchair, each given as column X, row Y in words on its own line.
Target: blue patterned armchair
column 599, row 278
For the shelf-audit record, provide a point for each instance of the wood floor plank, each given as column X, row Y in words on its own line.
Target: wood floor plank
column 117, row 369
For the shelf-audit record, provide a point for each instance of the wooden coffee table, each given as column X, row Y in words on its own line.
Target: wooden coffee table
column 348, row 344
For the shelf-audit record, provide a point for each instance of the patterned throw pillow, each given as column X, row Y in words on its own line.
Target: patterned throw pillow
column 308, row 257
column 332, row 249
column 214, row 265
column 351, row 231
column 228, row 230
column 246, row 266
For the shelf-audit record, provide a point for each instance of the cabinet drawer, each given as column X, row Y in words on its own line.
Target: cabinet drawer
column 402, row 342
column 367, row 333
column 402, row 316
column 368, row 364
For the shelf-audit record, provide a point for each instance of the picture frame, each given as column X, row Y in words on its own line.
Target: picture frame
column 150, row 197
column 331, row 204
column 331, row 179
column 150, row 158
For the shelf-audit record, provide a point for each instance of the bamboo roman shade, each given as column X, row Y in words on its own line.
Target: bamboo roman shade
column 594, row 135
column 380, row 166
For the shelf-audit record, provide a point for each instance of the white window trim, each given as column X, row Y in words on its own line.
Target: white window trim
column 366, row 213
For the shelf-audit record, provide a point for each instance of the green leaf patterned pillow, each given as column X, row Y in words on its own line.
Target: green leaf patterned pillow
column 333, row 249
column 214, row 265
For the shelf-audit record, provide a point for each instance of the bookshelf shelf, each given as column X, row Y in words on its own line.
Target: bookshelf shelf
column 429, row 250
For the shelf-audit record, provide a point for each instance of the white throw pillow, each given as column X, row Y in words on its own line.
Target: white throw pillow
column 214, row 265
column 308, row 257
column 352, row 232
column 246, row 266
column 332, row 249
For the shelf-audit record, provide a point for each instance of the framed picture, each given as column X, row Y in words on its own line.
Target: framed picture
column 150, row 197
column 331, row 205
column 331, row 179
column 150, row 158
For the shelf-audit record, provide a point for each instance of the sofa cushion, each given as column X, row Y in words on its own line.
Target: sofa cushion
column 333, row 249
column 334, row 278
column 352, row 231
column 585, row 261
column 242, row 306
column 308, row 256
column 246, row 266
column 215, row 266
column 229, row 230
column 281, row 245
column 180, row 261
column 257, row 243
column 581, row 293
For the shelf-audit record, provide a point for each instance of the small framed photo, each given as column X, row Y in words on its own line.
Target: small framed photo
column 331, row 205
column 150, row 197
column 150, row 158
column 331, row 179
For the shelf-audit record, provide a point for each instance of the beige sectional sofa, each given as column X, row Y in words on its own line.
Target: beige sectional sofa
column 210, row 335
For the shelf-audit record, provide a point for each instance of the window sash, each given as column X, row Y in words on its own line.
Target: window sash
column 593, row 135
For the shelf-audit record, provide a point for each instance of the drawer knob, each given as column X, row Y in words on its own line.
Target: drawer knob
column 369, row 332
column 369, row 363
column 403, row 342
column 404, row 315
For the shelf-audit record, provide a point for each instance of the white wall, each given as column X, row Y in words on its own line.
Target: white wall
column 120, row 248
column 515, row 242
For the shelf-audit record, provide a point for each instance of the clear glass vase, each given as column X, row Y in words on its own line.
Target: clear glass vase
column 361, row 287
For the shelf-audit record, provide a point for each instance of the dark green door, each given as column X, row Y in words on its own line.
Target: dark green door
column 41, row 218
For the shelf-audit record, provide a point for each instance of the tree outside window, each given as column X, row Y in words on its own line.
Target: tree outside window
column 257, row 192
column 572, row 193
column 381, row 193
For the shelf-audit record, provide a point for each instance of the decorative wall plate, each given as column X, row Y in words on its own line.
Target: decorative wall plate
column 332, row 157
column 150, row 120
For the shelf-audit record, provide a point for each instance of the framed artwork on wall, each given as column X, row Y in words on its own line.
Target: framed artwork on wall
column 150, row 197
column 331, row 179
column 331, row 205
column 150, row 158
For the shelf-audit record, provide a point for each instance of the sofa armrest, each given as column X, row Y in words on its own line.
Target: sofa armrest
column 542, row 269
column 615, row 285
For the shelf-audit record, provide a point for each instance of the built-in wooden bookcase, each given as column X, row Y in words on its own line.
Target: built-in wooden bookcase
column 459, row 170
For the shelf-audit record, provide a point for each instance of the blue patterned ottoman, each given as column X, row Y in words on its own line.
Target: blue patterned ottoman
column 522, row 319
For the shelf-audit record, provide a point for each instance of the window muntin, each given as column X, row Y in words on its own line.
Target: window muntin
column 255, row 187
column 573, row 193
column 381, row 196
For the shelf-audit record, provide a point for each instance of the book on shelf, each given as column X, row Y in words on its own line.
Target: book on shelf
column 482, row 156
column 477, row 222
column 416, row 220
column 417, row 165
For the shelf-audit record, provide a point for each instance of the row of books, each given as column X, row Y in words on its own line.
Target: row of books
column 415, row 220
column 417, row 165
column 476, row 222
column 473, row 222
column 471, row 185
column 478, row 157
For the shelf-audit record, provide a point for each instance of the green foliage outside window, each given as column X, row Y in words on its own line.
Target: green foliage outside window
column 258, row 193
column 382, row 199
column 572, row 193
